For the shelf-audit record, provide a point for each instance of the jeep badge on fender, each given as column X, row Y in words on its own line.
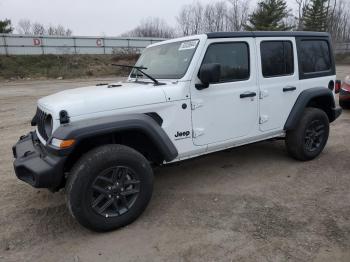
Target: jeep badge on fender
column 242, row 87
column 182, row 135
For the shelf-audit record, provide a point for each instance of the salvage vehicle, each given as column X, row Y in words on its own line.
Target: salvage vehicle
column 344, row 93
column 184, row 98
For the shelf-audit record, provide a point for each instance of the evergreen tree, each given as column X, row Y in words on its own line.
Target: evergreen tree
column 316, row 16
column 5, row 26
column 269, row 16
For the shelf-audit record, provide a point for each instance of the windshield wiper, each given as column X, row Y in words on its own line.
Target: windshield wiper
column 140, row 68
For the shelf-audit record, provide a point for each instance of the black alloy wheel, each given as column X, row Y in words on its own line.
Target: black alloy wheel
column 315, row 134
column 115, row 191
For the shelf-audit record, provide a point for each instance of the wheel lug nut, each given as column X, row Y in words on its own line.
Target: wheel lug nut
column 110, row 196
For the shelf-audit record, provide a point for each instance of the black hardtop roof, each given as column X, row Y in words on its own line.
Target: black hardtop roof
column 267, row 34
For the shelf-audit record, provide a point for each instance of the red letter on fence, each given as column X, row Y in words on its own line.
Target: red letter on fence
column 36, row 41
column 99, row 42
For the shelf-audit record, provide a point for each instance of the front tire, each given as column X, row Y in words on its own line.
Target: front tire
column 310, row 136
column 109, row 187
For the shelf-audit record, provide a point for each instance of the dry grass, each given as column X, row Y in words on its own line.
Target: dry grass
column 66, row 66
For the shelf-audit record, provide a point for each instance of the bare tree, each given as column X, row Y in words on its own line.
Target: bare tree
column 60, row 30
column 302, row 6
column 184, row 20
column 220, row 15
column 237, row 15
column 197, row 18
column 228, row 15
column 339, row 20
column 51, row 30
column 24, row 27
column 209, row 18
column 38, row 29
column 69, row 32
column 152, row 27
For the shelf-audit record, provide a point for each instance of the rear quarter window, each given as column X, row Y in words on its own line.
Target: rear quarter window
column 315, row 58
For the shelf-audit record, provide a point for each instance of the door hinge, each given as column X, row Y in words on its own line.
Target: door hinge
column 195, row 105
column 197, row 132
column 263, row 94
column 263, row 119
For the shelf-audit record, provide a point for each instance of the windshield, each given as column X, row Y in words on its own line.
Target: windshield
column 167, row 61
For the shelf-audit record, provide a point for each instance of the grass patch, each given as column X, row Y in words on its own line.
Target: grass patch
column 343, row 59
column 66, row 66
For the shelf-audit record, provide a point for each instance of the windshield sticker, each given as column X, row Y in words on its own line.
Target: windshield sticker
column 188, row 45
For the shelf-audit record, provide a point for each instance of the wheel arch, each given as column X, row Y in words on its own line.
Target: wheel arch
column 318, row 97
column 138, row 131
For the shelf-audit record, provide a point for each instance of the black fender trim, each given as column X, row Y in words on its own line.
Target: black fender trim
column 303, row 100
column 106, row 125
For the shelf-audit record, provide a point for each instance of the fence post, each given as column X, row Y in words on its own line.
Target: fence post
column 42, row 45
column 75, row 45
column 5, row 46
column 104, row 46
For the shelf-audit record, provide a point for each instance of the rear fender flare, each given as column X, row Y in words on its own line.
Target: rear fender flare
column 302, row 102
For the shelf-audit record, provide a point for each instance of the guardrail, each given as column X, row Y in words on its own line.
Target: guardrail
column 342, row 48
column 11, row 44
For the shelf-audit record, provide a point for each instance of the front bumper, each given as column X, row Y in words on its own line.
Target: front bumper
column 34, row 165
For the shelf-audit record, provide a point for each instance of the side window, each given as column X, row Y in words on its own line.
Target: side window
column 315, row 56
column 233, row 58
column 277, row 58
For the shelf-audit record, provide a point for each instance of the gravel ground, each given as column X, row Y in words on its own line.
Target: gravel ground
column 251, row 203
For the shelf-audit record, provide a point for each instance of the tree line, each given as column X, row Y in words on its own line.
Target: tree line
column 331, row 16
column 26, row 27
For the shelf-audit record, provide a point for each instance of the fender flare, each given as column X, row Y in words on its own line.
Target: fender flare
column 303, row 100
column 83, row 129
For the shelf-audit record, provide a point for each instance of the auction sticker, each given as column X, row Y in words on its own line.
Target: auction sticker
column 188, row 45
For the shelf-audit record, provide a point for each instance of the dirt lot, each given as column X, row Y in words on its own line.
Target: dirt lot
column 251, row 203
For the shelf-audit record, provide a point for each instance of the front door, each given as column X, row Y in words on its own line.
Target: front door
column 227, row 110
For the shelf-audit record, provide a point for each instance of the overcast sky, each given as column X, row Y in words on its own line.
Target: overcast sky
column 94, row 17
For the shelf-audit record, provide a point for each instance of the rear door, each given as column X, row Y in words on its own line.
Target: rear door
column 278, row 79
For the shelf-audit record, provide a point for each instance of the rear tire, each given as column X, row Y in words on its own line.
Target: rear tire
column 109, row 187
column 310, row 136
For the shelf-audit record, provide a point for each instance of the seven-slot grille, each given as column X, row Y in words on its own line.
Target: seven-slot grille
column 39, row 119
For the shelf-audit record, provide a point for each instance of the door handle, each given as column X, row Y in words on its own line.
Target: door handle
column 289, row 89
column 247, row 94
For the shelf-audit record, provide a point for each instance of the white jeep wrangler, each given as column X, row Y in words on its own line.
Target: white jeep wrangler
column 184, row 98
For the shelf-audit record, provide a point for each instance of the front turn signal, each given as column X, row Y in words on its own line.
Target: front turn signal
column 62, row 144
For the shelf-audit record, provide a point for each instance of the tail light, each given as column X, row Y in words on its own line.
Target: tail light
column 337, row 86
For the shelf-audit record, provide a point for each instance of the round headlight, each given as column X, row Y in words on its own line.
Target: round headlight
column 48, row 125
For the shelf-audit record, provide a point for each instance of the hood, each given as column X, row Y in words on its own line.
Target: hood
column 94, row 99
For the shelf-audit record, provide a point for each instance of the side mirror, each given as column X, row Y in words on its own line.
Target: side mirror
column 208, row 74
